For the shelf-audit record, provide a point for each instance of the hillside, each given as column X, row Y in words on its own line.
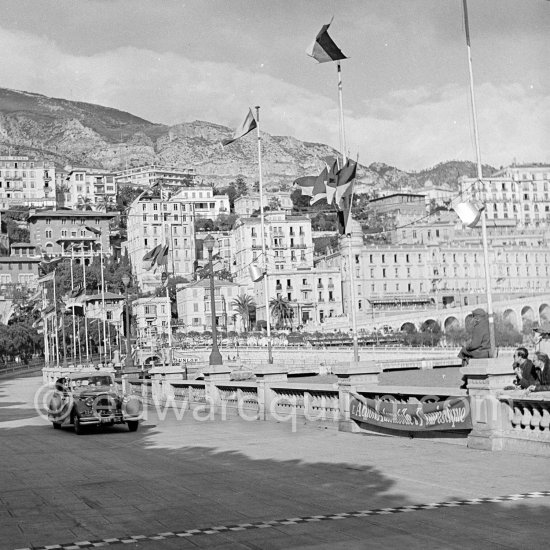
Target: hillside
column 84, row 134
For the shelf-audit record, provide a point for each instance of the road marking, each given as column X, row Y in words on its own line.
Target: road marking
column 287, row 521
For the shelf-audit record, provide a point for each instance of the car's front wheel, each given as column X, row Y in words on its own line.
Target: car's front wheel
column 78, row 428
column 133, row 425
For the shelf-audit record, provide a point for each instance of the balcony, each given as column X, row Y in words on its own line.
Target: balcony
column 298, row 245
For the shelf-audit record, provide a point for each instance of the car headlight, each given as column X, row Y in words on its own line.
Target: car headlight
column 89, row 401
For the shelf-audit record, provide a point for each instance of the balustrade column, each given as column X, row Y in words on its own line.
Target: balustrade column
column 350, row 376
column 266, row 376
column 485, row 380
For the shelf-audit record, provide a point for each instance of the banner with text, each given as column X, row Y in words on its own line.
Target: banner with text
column 451, row 414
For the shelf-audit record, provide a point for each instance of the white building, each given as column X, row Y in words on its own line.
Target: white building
column 152, row 222
column 193, row 302
column 150, row 174
column 26, row 181
column 152, row 316
column 518, row 192
column 248, row 204
column 288, row 242
column 205, row 203
column 86, row 188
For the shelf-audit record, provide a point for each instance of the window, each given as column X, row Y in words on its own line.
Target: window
column 48, row 233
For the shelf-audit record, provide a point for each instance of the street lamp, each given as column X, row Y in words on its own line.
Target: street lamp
column 128, row 363
column 215, row 355
column 470, row 214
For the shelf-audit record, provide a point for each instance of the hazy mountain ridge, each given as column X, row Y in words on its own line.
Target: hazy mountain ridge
column 85, row 134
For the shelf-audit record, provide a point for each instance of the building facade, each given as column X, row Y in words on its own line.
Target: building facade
column 248, row 204
column 150, row 174
column 26, row 181
column 86, row 188
column 19, row 269
column 153, row 316
column 206, row 205
column 194, row 305
column 288, row 240
column 153, row 221
column 517, row 192
column 64, row 233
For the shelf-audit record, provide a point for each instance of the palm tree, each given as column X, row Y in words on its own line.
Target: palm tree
column 84, row 203
column 280, row 309
column 243, row 304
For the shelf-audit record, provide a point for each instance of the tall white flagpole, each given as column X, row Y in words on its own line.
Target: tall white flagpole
column 72, row 307
column 104, row 315
column 85, row 306
column 264, row 252
column 490, row 314
column 343, row 146
column 56, row 335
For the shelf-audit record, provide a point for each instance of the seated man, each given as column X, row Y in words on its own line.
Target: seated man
column 526, row 375
column 542, row 367
column 479, row 346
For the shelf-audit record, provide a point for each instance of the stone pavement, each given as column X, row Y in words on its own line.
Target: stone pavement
column 188, row 483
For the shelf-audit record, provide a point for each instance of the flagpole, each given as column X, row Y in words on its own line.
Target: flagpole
column 164, row 242
column 490, row 315
column 85, row 304
column 46, row 339
column 103, row 300
column 342, row 130
column 343, row 146
column 262, row 226
column 56, row 326
column 72, row 307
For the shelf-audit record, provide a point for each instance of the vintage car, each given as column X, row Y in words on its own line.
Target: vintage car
column 91, row 398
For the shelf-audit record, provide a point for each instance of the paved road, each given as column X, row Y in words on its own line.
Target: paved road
column 251, row 485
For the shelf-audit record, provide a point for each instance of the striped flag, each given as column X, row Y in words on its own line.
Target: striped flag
column 46, row 278
column 247, row 126
column 323, row 49
column 93, row 230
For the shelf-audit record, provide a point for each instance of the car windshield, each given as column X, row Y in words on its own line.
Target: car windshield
column 91, row 381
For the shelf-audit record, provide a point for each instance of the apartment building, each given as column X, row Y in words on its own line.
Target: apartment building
column 206, row 205
column 248, row 204
column 288, row 242
column 65, row 233
column 313, row 294
column 26, row 181
column 517, row 192
column 152, row 317
column 153, row 221
column 86, row 188
column 441, row 271
column 150, row 174
column 194, row 305
column 19, row 269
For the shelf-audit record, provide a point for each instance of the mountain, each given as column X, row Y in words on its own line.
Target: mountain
column 84, row 134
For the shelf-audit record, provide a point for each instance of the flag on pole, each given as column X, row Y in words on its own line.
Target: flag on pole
column 344, row 215
column 162, row 256
column 345, row 177
column 305, row 185
column 247, row 126
column 332, row 182
column 320, row 187
column 93, row 230
column 323, row 48
column 46, row 278
column 149, row 258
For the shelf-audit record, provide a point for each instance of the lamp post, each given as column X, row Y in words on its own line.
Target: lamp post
column 215, row 355
column 128, row 363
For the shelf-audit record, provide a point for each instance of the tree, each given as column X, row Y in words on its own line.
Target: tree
column 84, row 203
column 243, row 305
column 13, row 223
column 280, row 308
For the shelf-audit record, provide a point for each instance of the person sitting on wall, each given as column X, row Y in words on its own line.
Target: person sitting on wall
column 479, row 346
column 542, row 367
column 526, row 374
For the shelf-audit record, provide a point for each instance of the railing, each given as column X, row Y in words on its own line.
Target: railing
column 12, row 368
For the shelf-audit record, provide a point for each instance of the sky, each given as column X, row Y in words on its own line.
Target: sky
column 405, row 85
